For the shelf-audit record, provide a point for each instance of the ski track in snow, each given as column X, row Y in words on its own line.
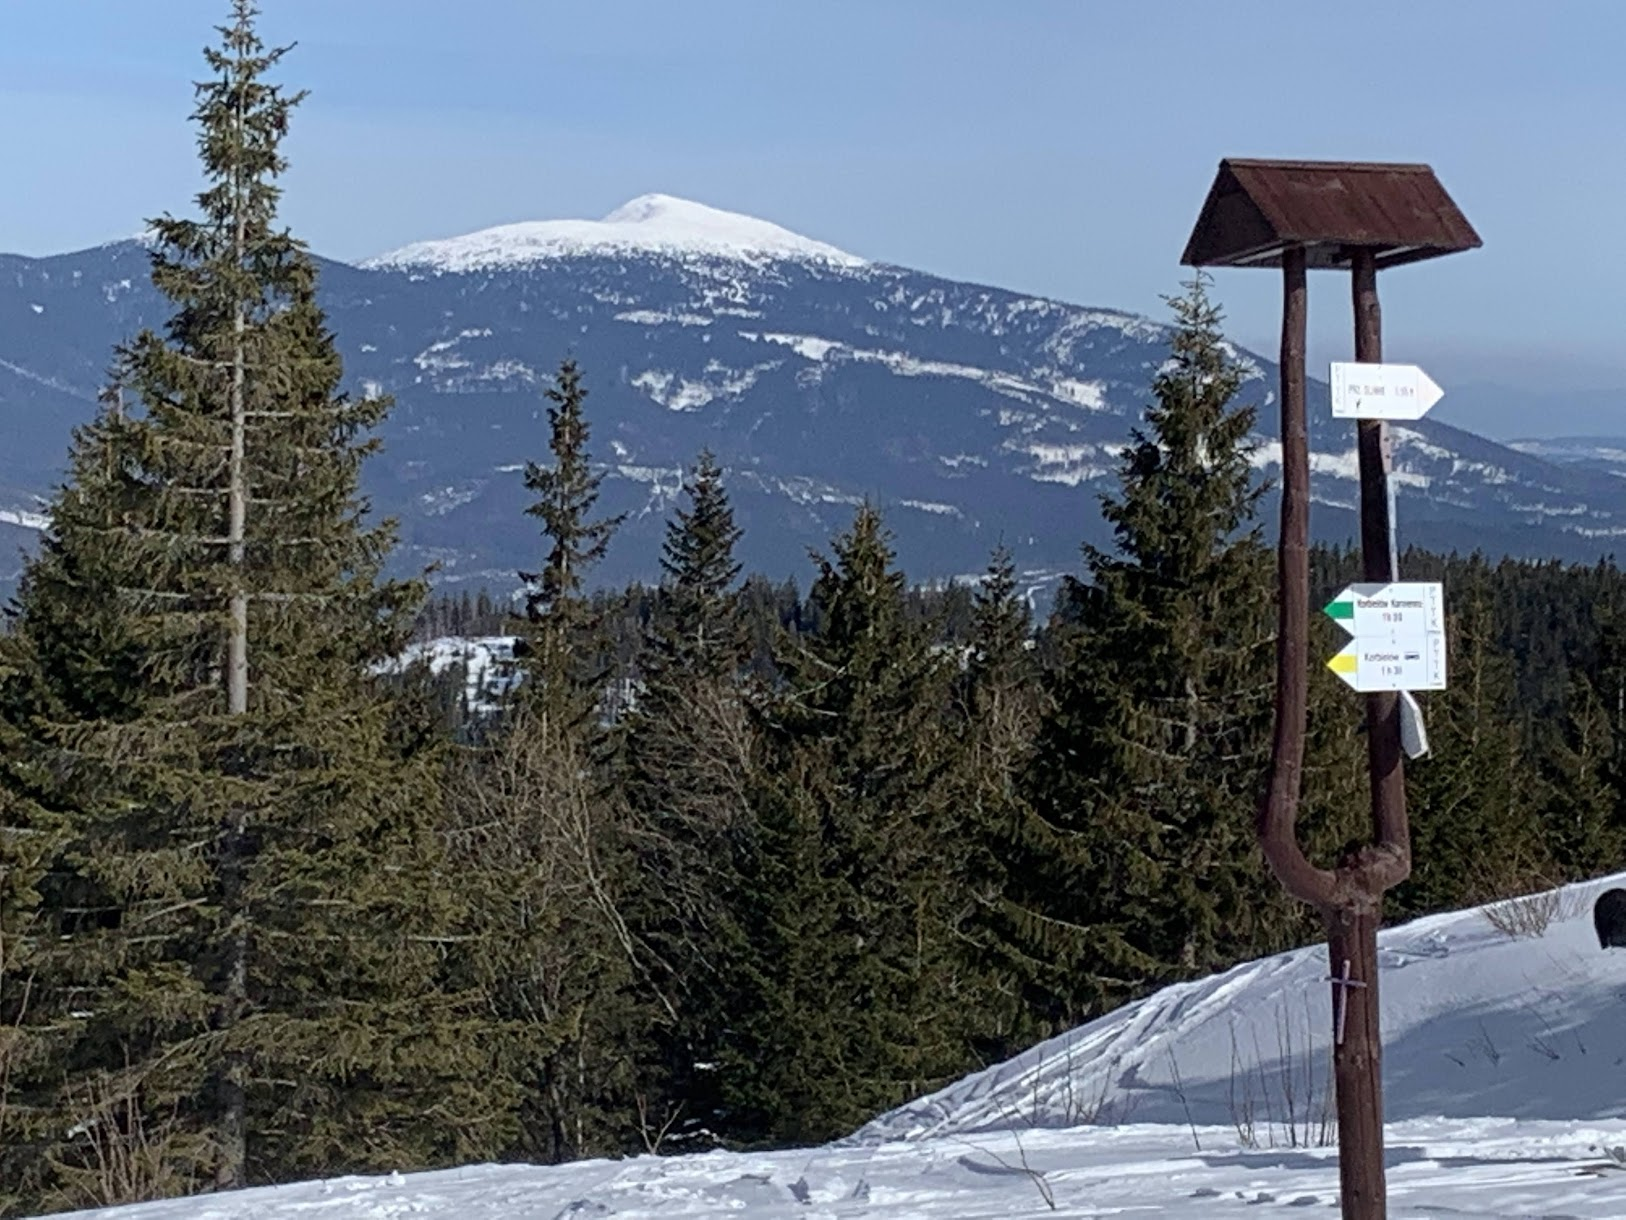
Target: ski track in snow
column 1204, row 1100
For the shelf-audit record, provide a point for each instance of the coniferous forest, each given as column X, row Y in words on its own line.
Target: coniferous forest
column 733, row 863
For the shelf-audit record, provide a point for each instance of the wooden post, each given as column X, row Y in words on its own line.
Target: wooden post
column 1350, row 898
column 1357, row 1060
column 1352, row 939
column 1279, row 809
column 1383, row 752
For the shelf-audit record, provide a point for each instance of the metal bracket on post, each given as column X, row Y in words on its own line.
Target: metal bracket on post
column 1386, row 450
column 1413, row 733
column 1343, row 983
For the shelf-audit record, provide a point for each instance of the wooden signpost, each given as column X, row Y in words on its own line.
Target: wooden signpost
column 1299, row 215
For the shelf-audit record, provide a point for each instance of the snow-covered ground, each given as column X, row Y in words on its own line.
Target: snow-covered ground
column 1505, row 1064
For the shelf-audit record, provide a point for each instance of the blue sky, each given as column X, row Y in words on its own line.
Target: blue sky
column 1061, row 147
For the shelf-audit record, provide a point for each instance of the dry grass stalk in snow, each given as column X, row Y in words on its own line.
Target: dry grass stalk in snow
column 1528, row 916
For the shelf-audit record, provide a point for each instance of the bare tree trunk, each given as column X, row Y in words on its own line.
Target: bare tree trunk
column 231, row 1171
column 237, row 508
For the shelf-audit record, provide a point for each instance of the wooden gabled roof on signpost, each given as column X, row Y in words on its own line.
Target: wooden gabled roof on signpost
column 1256, row 209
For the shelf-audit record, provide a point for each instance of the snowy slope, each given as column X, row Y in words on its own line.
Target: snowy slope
column 1505, row 1062
column 1475, row 1023
column 650, row 224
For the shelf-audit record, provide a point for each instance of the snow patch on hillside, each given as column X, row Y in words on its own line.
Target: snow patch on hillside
column 443, row 500
column 28, row 520
column 1345, row 465
column 677, row 393
column 657, row 317
column 1068, row 464
column 799, row 489
column 440, row 357
column 490, row 670
column 809, row 347
column 53, row 383
column 650, row 224
column 1091, row 395
column 1087, row 394
column 930, row 506
column 1416, row 442
column 665, row 484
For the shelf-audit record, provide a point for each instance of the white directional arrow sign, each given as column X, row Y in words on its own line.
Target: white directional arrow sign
column 1399, row 632
column 1382, row 391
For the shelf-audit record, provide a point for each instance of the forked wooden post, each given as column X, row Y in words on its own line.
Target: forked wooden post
column 1296, row 215
column 1350, row 898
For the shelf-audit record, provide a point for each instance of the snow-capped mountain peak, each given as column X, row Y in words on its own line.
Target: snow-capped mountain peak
column 649, row 224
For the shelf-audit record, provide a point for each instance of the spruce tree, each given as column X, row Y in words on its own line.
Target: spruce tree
column 540, row 838
column 566, row 492
column 1581, row 806
column 255, row 907
column 695, row 627
column 687, row 762
column 1470, row 804
column 69, row 663
column 1148, row 763
column 855, row 1003
column 999, row 701
column 30, row 837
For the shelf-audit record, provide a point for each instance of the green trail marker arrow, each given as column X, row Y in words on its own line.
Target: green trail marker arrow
column 1341, row 609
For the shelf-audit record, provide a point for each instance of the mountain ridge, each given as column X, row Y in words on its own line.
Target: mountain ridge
column 974, row 415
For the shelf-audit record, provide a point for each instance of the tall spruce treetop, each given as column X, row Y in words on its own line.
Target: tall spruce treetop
column 542, row 849
column 1001, row 630
column 1000, row 699
column 698, row 552
column 1187, row 490
column 687, row 753
column 566, row 493
column 696, row 628
column 224, row 498
column 563, row 646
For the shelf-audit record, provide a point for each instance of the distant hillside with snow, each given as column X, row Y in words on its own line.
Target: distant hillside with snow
column 974, row 416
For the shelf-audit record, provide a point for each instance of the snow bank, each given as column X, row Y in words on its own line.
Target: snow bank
column 1475, row 1022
